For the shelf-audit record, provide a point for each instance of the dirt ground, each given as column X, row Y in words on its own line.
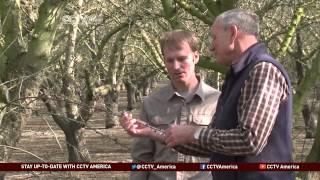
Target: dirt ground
column 43, row 138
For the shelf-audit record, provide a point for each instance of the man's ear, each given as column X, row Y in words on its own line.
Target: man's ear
column 234, row 30
column 196, row 57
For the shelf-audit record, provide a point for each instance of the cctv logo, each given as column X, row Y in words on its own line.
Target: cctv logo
column 202, row 166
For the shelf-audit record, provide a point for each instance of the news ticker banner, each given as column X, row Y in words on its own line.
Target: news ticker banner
column 159, row 167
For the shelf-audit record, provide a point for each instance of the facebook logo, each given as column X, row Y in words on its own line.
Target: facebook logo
column 202, row 166
column 133, row 167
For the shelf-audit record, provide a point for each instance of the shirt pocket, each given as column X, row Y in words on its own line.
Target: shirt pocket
column 162, row 122
column 201, row 119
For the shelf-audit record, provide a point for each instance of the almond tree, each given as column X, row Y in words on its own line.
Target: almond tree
column 23, row 54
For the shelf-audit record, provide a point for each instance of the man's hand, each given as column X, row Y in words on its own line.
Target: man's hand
column 180, row 134
column 134, row 127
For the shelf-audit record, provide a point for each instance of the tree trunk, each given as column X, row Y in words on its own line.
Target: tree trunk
column 309, row 121
column 131, row 90
column 73, row 132
column 111, row 101
column 307, row 114
column 76, row 145
column 18, row 64
column 153, row 83
column 146, row 87
column 313, row 156
column 305, row 87
column 11, row 129
column 114, row 74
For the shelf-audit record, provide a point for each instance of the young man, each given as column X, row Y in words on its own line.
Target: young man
column 253, row 119
column 186, row 100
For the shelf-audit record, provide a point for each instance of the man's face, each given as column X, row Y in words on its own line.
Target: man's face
column 220, row 44
column 180, row 62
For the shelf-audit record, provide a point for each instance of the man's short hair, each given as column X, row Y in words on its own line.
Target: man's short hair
column 246, row 21
column 175, row 37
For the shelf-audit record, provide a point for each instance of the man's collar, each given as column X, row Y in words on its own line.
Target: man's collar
column 245, row 58
column 201, row 91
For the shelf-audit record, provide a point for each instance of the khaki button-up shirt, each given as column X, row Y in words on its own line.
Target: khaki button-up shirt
column 166, row 107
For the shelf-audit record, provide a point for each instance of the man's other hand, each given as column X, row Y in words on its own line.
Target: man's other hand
column 180, row 134
column 134, row 127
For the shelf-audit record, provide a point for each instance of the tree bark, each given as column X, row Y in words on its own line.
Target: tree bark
column 111, row 101
column 313, row 156
column 131, row 90
column 309, row 121
column 304, row 88
column 74, row 132
column 76, row 144
column 114, row 76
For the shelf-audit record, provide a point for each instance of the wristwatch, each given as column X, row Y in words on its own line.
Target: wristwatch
column 196, row 135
